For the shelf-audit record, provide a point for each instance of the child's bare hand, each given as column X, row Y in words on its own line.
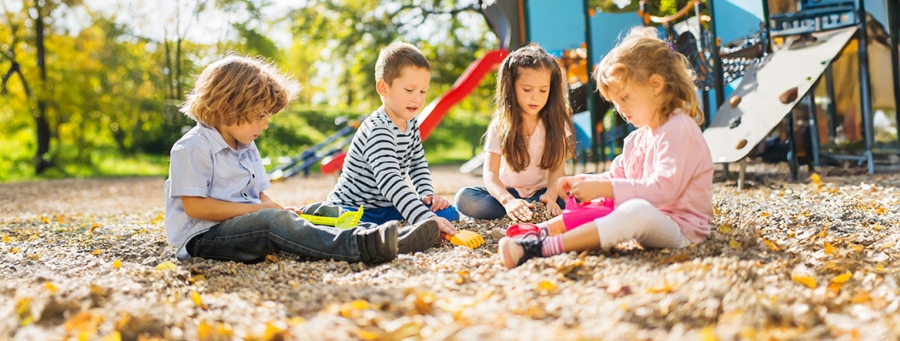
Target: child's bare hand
column 587, row 190
column 564, row 184
column 445, row 225
column 437, row 202
column 519, row 209
column 552, row 207
column 294, row 209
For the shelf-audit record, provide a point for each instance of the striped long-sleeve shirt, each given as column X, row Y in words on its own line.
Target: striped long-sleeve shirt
column 377, row 164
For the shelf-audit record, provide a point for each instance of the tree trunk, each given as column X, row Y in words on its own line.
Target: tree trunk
column 41, row 156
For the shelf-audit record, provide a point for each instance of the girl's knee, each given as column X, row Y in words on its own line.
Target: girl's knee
column 634, row 207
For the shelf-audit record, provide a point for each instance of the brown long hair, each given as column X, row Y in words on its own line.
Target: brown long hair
column 642, row 54
column 556, row 114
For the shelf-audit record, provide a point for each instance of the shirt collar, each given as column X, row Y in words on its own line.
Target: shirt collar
column 216, row 139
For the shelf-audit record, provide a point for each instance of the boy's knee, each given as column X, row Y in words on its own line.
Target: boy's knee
column 279, row 217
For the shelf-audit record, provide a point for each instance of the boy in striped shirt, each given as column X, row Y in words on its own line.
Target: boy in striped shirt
column 387, row 148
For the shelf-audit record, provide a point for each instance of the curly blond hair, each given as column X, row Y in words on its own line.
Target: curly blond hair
column 237, row 89
column 642, row 54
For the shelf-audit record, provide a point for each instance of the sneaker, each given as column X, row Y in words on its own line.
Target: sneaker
column 418, row 237
column 525, row 228
column 377, row 244
column 517, row 251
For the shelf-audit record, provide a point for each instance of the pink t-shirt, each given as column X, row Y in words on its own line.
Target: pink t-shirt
column 532, row 178
column 672, row 169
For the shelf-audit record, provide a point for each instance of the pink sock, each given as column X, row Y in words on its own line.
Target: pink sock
column 552, row 246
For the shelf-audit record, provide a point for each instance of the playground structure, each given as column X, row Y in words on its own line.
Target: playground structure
column 764, row 56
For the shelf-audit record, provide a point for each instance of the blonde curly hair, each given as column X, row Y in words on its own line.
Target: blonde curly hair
column 642, row 54
column 237, row 89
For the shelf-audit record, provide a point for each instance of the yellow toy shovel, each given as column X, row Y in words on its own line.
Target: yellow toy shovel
column 468, row 239
column 346, row 221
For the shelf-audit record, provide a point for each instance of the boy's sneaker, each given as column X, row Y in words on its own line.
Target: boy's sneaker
column 418, row 237
column 517, row 251
column 526, row 228
column 377, row 244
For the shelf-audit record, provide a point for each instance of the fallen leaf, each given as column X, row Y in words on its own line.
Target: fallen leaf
column 96, row 252
column 195, row 297
column 94, row 226
column 734, row 244
column 50, row 287
column 770, row 244
column 366, row 335
column 83, row 322
column 708, row 334
column 725, row 228
column 463, row 276
column 273, row 332
column 829, row 249
column 295, row 321
column 423, row 302
column 545, row 285
column 805, row 280
column 23, row 310
column 815, row 179
column 764, row 214
column 862, row 296
column 566, row 269
column 842, row 278
column 117, row 264
column 835, row 287
column 666, row 288
column 682, row 257
column 14, row 250
column 60, row 219
column 270, row 258
column 166, row 266
column 5, row 238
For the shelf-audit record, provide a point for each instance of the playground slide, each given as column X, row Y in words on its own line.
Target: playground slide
column 734, row 131
column 432, row 114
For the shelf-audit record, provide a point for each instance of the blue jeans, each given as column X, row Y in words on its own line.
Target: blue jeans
column 477, row 203
column 386, row 214
column 250, row 237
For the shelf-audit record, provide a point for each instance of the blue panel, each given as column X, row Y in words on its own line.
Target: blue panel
column 583, row 130
column 878, row 10
column 739, row 18
column 556, row 25
column 607, row 29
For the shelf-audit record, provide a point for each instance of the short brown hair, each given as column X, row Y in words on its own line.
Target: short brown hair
column 236, row 89
column 394, row 58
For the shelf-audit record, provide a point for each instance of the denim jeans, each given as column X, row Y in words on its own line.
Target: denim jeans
column 477, row 203
column 386, row 214
column 250, row 237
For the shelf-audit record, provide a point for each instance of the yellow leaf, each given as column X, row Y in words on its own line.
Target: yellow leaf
column 725, row 228
column 843, row 277
column 83, row 322
column 117, row 264
column 94, row 226
column 114, row 336
column 45, row 220
column 708, row 334
column 50, row 287
column 23, row 310
column 545, row 285
column 366, row 335
column 822, row 233
column 791, row 233
column 879, row 268
column 835, row 287
column 14, row 250
column 360, row 304
column 829, row 249
column 208, row 332
column 770, row 244
column 166, row 266
column 716, row 210
column 60, row 219
column 815, row 179
column 295, row 321
column 764, row 214
column 805, row 280
column 270, row 258
column 161, row 217
column 195, row 297
column 272, row 331
column 5, row 238
column 862, row 296
column 734, row 244
column 880, row 211
column 196, row 278
column 96, row 252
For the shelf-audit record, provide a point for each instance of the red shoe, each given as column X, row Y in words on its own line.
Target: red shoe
column 526, row 228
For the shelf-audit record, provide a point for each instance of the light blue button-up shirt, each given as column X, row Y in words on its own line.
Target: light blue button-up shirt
column 203, row 165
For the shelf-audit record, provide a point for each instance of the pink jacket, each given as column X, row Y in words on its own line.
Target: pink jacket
column 672, row 169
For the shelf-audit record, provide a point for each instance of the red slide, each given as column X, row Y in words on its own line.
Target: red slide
column 437, row 109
